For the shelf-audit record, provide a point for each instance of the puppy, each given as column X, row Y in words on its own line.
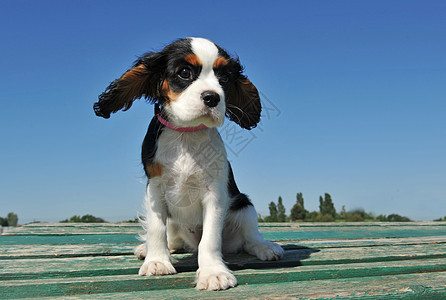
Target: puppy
column 192, row 200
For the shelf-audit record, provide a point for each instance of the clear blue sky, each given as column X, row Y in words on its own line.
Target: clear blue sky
column 360, row 87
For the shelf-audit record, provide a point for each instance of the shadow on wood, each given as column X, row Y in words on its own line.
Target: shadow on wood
column 293, row 256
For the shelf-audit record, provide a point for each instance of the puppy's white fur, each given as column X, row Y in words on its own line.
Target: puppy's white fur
column 188, row 205
column 189, row 109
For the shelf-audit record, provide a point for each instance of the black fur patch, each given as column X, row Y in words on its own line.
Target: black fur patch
column 149, row 144
column 176, row 53
column 239, row 200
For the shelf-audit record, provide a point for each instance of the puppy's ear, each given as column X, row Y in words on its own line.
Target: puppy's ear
column 242, row 101
column 142, row 80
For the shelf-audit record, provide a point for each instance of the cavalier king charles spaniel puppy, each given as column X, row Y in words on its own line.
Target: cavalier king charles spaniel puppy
column 192, row 200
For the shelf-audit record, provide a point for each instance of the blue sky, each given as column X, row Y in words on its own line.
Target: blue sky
column 357, row 90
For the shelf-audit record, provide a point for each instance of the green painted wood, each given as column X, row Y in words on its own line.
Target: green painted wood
column 132, row 283
column 115, row 249
column 81, row 229
column 8, row 252
column 297, row 234
column 382, row 287
column 123, row 265
column 343, row 260
column 131, row 228
column 70, row 239
column 349, row 233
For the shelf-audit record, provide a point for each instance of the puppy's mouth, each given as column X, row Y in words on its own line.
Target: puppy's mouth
column 211, row 118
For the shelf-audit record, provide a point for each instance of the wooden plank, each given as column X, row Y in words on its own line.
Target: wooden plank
column 428, row 285
column 297, row 234
column 354, row 233
column 130, row 283
column 78, row 229
column 67, row 230
column 64, row 251
column 344, row 261
column 86, row 225
column 58, row 226
column 69, row 239
column 132, row 228
column 122, row 265
column 114, row 249
column 328, row 243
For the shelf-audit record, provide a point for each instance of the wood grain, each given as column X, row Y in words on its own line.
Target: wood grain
column 322, row 260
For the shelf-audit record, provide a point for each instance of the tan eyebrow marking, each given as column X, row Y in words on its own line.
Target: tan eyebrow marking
column 220, row 62
column 193, row 59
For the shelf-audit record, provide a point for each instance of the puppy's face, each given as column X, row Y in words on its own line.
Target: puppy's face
column 193, row 80
column 197, row 75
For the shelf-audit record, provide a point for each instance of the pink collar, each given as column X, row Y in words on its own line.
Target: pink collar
column 182, row 129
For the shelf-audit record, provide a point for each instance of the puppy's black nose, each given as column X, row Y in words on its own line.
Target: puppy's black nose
column 210, row 98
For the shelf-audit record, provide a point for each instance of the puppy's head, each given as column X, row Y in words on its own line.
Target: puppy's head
column 193, row 80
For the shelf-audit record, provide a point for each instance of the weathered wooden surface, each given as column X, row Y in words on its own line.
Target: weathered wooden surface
column 322, row 260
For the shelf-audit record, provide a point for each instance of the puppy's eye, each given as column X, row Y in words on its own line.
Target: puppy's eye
column 224, row 77
column 185, row 73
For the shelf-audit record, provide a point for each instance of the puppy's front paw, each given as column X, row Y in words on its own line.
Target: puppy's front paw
column 215, row 279
column 266, row 251
column 156, row 268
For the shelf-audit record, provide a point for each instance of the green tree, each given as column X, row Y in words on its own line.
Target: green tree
column 326, row 206
column 313, row 216
column 324, row 218
column 298, row 211
column 344, row 213
column 3, row 221
column 300, row 199
column 83, row 219
column 91, row 219
column 281, row 211
column 272, row 213
column 398, row 218
column 135, row 220
column 259, row 218
column 356, row 217
column 75, row 219
column 392, row 218
column 12, row 219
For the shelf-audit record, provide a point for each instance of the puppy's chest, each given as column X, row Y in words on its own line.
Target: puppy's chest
column 192, row 160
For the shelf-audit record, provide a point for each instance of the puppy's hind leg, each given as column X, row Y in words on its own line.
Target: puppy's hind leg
column 254, row 243
column 140, row 251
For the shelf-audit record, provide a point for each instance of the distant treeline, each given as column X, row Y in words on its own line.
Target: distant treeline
column 91, row 219
column 277, row 213
column 10, row 220
column 84, row 219
column 326, row 213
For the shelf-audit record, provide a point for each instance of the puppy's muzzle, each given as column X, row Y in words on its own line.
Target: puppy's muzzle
column 210, row 98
